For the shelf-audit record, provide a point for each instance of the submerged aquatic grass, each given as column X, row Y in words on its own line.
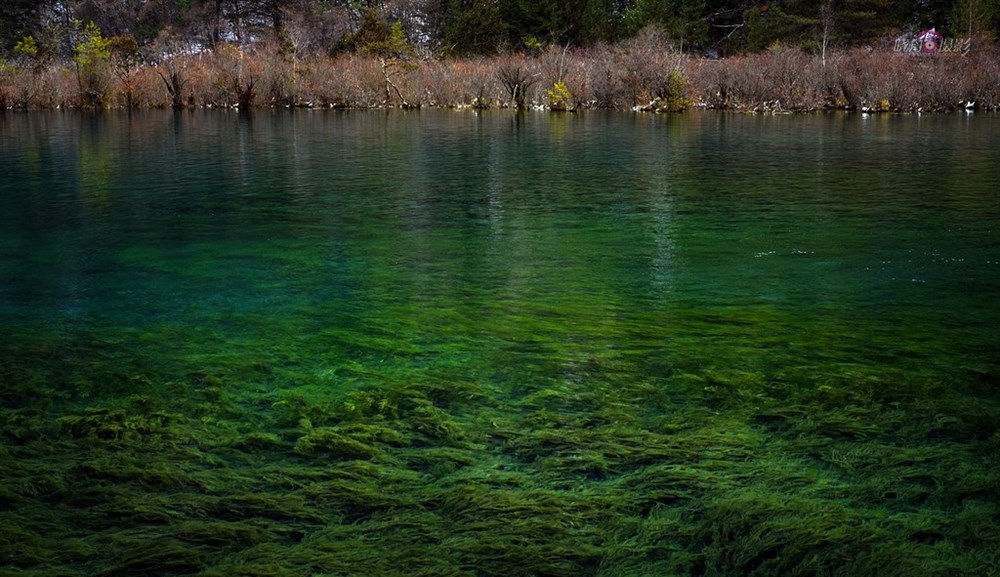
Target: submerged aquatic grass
column 605, row 382
column 711, row 472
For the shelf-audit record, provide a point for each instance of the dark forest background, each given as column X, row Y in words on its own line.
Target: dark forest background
column 486, row 27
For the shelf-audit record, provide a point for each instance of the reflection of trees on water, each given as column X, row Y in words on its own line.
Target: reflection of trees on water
column 499, row 216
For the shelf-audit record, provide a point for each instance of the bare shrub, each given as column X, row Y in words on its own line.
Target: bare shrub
column 729, row 83
column 345, row 81
column 57, row 88
column 278, row 82
column 634, row 72
column 559, row 64
column 791, row 80
column 951, row 81
column 236, row 77
column 18, row 86
column 646, row 73
column 938, row 83
column 983, row 77
column 318, row 80
column 647, row 61
column 595, row 89
column 125, row 61
column 148, row 89
column 696, row 76
column 363, row 81
column 169, row 56
column 872, row 80
column 827, row 81
column 6, row 85
column 201, row 85
column 891, row 81
column 553, row 62
column 460, row 82
column 518, row 75
column 170, row 72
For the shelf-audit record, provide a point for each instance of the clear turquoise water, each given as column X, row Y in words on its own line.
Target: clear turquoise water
column 752, row 312
column 765, row 241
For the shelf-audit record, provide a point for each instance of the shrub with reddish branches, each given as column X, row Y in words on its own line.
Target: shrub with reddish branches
column 635, row 74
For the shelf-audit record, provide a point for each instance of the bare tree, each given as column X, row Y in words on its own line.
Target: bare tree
column 826, row 19
column 167, row 53
column 516, row 78
column 396, row 55
column 125, row 61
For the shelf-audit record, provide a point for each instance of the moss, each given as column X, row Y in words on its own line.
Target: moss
column 296, row 406
column 657, row 486
column 410, row 545
column 151, row 555
column 438, row 461
column 115, row 424
column 650, row 459
column 353, row 499
column 653, row 544
column 433, row 424
column 237, row 535
column 22, row 548
column 261, row 569
column 763, row 534
column 508, row 532
column 330, row 441
column 21, row 426
column 274, row 506
column 259, row 441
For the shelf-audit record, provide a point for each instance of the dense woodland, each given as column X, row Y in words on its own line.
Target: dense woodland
column 779, row 55
column 469, row 27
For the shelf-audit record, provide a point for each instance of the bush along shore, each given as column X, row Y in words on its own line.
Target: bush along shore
column 645, row 73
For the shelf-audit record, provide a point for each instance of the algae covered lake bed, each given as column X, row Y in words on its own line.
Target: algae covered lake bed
column 460, row 344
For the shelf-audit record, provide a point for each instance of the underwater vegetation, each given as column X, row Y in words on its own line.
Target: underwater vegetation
column 430, row 345
column 613, row 464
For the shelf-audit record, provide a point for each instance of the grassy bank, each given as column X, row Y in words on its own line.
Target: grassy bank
column 643, row 73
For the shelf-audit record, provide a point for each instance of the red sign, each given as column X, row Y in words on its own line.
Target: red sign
column 930, row 41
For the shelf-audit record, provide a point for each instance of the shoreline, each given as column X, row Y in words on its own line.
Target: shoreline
column 633, row 77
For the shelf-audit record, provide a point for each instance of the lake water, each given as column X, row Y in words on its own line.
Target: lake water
column 455, row 343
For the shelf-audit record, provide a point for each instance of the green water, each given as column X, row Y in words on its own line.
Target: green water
column 457, row 344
